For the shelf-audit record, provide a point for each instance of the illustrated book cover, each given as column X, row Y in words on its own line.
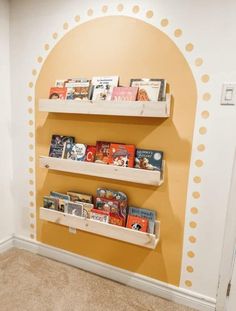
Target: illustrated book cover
column 137, row 223
column 80, row 197
column 90, row 153
column 102, row 152
column 87, row 208
column 111, row 206
column 58, row 144
column 58, row 93
column 102, row 87
column 99, row 215
column 78, row 89
column 148, row 159
column 50, row 202
column 75, row 151
column 122, row 155
column 121, row 93
column 145, row 213
column 75, row 209
column 149, row 89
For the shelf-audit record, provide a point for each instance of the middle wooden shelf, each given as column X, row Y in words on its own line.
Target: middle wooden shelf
column 134, row 175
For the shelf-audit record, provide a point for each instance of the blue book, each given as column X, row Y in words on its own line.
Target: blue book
column 145, row 213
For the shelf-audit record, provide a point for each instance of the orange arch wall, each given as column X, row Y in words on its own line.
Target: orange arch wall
column 129, row 48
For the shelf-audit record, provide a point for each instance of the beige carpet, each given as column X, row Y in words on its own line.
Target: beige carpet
column 29, row 282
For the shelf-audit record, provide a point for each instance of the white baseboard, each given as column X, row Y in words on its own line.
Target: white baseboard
column 152, row 286
column 6, row 244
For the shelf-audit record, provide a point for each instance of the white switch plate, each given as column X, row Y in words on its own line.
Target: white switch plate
column 228, row 95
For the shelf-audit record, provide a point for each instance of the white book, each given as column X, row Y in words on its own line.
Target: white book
column 103, row 87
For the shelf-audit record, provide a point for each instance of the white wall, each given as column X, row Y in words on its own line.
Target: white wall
column 210, row 26
column 6, row 219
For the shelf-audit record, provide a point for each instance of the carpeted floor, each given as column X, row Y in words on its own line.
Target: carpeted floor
column 29, row 282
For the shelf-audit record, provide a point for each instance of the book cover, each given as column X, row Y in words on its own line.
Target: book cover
column 59, row 195
column 103, row 87
column 120, row 93
column 99, row 215
column 75, row 209
column 80, row 197
column 57, row 93
column 145, row 213
column 122, row 155
column 60, row 83
column 102, row 152
column 90, row 153
column 149, row 89
column 78, row 89
column 119, row 196
column 117, row 220
column 50, row 202
column 87, row 208
column 148, row 159
column 75, row 152
column 137, row 223
column 111, row 206
column 58, row 144
column 62, row 205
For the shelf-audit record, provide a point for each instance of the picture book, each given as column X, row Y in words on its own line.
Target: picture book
column 148, row 159
column 99, row 215
column 80, row 197
column 75, row 209
column 75, row 152
column 62, row 205
column 58, row 144
column 78, row 89
column 50, row 202
column 122, row 155
column 117, row 220
column 90, row 153
column 149, row 89
column 87, row 207
column 119, row 196
column 58, row 93
column 102, row 87
column 145, row 213
column 120, row 93
column 102, row 152
column 59, row 195
column 111, row 206
column 137, row 223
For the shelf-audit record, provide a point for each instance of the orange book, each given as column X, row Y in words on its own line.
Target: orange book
column 57, row 93
column 137, row 223
column 122, row 155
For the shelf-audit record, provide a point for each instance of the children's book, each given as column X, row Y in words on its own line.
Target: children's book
column 149, row 89
column 102, row 152
column 102, row 87
column 122, row 155
column 99, row 215
column 148, row 159
column 58, row 93
column 120, row 93
column 80, row 197
column 75, row 209
column 145, row 213
column 78, row 89
column 57, row 145
column 137, row 223
column 75, row 152
column 50, row 202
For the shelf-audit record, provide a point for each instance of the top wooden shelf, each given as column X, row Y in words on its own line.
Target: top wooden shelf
column 157, row 109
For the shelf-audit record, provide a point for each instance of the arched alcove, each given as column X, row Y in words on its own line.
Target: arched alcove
column 129, row 48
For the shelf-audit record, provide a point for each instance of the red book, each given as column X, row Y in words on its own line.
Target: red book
column 124, row 93
column 90, row 153
column 57, row 93
column 137, row 223
column 117, row 220
column 102, row 152
column 122, row 155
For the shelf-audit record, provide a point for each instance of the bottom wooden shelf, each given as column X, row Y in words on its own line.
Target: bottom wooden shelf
column 111, row 231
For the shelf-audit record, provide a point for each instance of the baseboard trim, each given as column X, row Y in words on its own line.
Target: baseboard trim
column 161, row 289
column 6, row 244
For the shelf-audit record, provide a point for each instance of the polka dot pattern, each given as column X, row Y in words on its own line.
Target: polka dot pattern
column 164, row 22
column 149, row 14
column 198, row 62
column 178, row 33
column 136, row 9
column 104, row 8
column 205, row 78
column 189, row 47
column 120, row 7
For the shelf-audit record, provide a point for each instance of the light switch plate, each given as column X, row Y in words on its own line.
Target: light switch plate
column 228, row 95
